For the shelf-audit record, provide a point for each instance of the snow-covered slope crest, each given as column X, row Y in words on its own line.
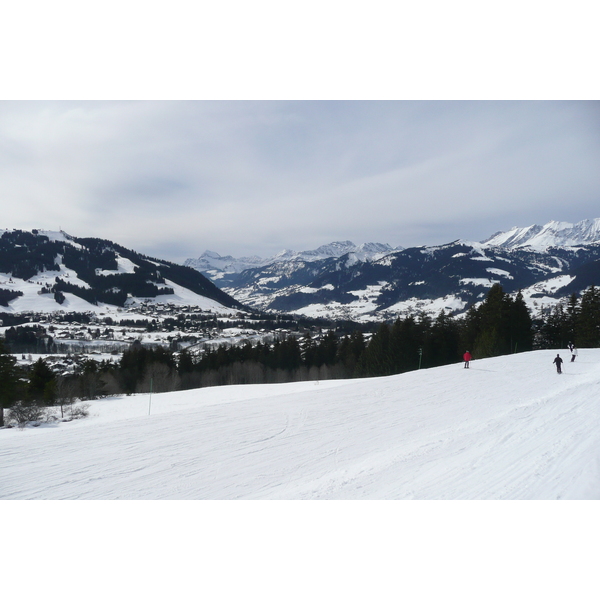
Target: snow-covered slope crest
column 554, row 233
column 60, row 236
column 509, row 427
column 367, row 251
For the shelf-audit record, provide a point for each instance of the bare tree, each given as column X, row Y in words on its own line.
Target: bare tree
column 22, row 413
column 66, row 390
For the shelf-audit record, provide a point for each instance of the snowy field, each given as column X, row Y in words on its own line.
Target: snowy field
column 508, row 428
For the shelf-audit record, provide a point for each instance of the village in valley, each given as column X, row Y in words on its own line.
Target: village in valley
column 66, row 339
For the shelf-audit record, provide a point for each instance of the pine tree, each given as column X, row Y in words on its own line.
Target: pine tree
column 327, row 349
column 40, row 382
column 344, row 353
column 469, row 329
column 551, row 332
column 349, row 351
column 405, row 342
column 494, row 335
column 185, row 364
column 441, row 347
column 287, row 354
column 309, row 352
column 8, row 381
column 376, row 359
column 132, row 367
column 572, row 317
column 588, row 323
column 521, row 331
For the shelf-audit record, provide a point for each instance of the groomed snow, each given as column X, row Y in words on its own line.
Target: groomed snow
column 508, row 428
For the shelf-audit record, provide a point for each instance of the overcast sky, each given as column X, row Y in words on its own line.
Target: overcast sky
column 174, row 178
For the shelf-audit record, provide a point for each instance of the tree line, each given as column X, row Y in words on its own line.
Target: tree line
column 576, row 321
column 499, row 325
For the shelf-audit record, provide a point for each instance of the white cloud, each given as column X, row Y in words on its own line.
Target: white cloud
column 253, row 177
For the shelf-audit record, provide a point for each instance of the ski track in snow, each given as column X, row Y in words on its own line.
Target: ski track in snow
column 507, row 428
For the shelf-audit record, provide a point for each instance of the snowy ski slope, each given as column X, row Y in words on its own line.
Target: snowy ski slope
column 508, row 428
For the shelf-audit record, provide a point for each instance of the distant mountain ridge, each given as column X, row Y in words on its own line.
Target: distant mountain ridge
column 554, row 233
column 547, row 262
column 47, row 271
column 217, row 267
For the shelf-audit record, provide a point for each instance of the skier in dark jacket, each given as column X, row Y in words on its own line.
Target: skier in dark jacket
column 558, row 362
column 467, row 358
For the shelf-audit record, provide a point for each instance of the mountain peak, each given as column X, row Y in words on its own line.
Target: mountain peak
column 210, row 254
column 553, row 233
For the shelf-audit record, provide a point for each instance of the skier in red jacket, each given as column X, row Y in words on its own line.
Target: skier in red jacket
column 467, row 357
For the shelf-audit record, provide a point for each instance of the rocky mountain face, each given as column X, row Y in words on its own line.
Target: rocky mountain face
column 449, row 277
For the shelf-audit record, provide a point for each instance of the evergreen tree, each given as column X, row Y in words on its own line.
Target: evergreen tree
column 521, row 331
column 344, row 353
column 493, row 338
column 327, row 350
column 41, row 386
column 185, row 364
column 309, row 352
column 8, row 380
column 286, row 354
column 350, row 350
column 469, row 330
column 588, row 323
column 442, row 343
column 132, row 367
column 376, row 359
column 405, row 342
column 358, row 345
column 552, row 329
column 572, row 317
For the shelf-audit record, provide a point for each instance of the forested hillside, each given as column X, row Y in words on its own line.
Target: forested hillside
column 95, row 270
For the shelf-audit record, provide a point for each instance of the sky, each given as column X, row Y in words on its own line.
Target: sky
column 247, row 130
column 174, row 178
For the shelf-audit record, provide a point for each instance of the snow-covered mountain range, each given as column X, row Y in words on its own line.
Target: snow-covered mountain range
column 217, row 267
column 46, row 271
column 546, row 262
column 554, row 233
